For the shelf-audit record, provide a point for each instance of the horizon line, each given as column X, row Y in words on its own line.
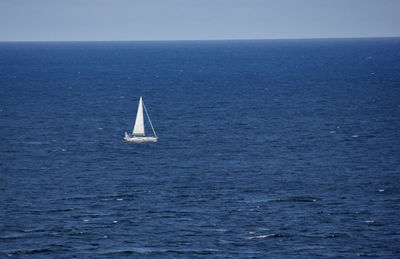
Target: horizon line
column 232, row 39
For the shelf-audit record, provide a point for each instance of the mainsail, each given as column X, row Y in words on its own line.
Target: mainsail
column 139, row 124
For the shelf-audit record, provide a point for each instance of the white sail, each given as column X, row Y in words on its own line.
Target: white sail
column 139, row 123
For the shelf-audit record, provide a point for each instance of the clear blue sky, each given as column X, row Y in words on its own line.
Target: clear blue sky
column 104, row 20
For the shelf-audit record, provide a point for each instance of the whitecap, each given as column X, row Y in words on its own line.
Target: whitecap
column 262, row 236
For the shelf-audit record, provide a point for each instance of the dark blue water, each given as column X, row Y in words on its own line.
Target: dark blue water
column 279, row 149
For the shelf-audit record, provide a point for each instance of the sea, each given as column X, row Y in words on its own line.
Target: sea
column 266, row 149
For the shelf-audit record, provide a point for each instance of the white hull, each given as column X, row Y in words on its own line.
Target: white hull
column 139, row 139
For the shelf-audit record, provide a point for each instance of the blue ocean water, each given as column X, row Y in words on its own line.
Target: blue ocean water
column 269, row 148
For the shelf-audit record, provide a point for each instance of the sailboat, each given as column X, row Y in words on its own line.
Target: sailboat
column 138, row 134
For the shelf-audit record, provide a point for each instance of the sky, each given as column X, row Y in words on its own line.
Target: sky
column 136, row 20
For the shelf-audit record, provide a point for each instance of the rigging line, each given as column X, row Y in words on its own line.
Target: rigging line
column 148, row 117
